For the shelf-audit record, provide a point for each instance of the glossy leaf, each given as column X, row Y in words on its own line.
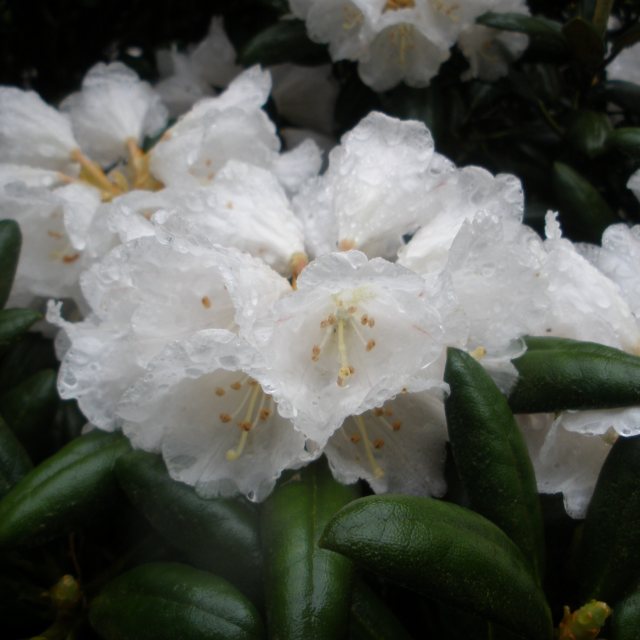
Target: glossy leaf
column 28, row 409
column 14, row 460
column 14, row 323
column 446, row 553
column 10, row 242
column 167, row 601
column 308, row 589
column 588, row 133
column 607, row 561
column 491, row 456
column 284, row 41
column 557, row 374
column 219, row 534
column 584, row 214
column 64, row 492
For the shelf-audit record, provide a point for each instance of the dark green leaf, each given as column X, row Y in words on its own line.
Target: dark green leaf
column 585, row 43
column 14, row 323
column 588, row 132
column 64, row 492
column 626, row 39
column 10, row 242
column 308, row 590
column 627, row 140
column 584, row 214
column 284, row 41
column 491, row 456
column 608, row 562
column 28, row 409
column 625, row 94
column 169, row 601
column 556, row 374
column 24, row 359
column 446, row 553
column 219, row 535
column 14, row 461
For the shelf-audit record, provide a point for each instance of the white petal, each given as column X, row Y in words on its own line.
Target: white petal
column 32, row 132
column 398, row 448
column 353, row 335
column 113, row 106
column 190, row 404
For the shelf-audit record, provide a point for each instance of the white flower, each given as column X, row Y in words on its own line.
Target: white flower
column 216, row 428
column 584, row 303
column 373, row 190
column 398, row 447
column 354, row 334
column 187, row 77
column 32, row 133
column 230, row 126
column 245, row 207
column 144, row 295
column 407, row 40
column 113, row 108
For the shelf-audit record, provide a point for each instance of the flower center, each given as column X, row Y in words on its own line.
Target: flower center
column 134, row 175
column 348, row 317
column 253, row 406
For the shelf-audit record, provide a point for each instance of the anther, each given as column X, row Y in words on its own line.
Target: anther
column 265, row 414
column 378, row 411
column 236, row 386
column 315, row 353
column 371, row 344
column 397, row 425
column 220, row 391
column 355, row 438
column 70, row 258
column 364, row 320
column 206, row 302
column 225, row 417
column 245, row 425
column 378, row 443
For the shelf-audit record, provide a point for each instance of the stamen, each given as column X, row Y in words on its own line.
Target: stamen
column 378, row 443
column 236, row 386
column 478, row 353
column 225, row 417
column 206, row 302
column 247, row 424
column 93, row 174
column 346, row 244
column 395, row 5
column 371, row 344
column 220, row 391
column 346, row 370
column 375, row 467
column 298, row 262
column 70, row 258
column 139, row 163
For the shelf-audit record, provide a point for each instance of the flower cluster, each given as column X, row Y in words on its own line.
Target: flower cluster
column 408, row 40
column 245, row 314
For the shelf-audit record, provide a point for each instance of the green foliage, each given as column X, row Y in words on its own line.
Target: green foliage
column 165, row 601
column 308, row 590
column 446, row 553
column 491, row 456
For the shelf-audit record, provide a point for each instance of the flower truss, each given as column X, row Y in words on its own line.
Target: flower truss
column 210, row 338
column 69, row 176
column 408, row 40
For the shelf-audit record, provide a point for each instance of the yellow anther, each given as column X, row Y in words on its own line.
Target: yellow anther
column 346, row 244
column 364, row 320
column 206, row 302
column 378, row 443
column 297, row 262
column 371, row 344
column 244, row 426
column 315, row 353
column 395, row 5
column 355, row 438
column 236, row 386
column 478, row 353
column 397, row 425
column 265, row 414
column 220, row 391
column 70, row 258
column 225, row 417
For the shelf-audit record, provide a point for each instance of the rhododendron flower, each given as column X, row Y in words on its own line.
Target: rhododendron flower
column 407, row 40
